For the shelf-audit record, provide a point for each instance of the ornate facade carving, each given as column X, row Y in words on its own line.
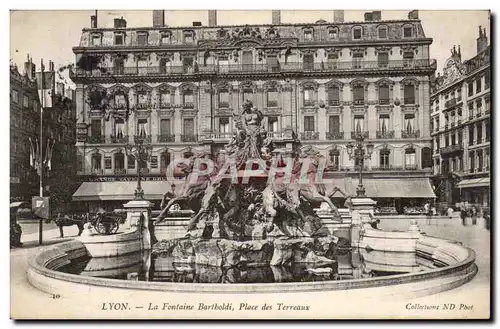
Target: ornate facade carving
column 383, row 49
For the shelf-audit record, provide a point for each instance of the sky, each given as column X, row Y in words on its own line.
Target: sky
column 53, row 33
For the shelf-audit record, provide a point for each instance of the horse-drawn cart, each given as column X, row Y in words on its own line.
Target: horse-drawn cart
column 107, row 223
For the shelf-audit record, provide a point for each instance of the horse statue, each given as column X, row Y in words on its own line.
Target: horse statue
column 68, row 220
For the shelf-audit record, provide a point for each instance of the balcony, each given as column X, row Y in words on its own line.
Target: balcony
column 339, row 135
column 109, row 71
column 386, row 134
column 409, row 101
column 97, row 172
column 274, row 103
column 411, row 167
column 119, row 140
column 410, row 134
column 309, row 135
column 165, row 105
column 333, row 102
column 359, row 102
column 99, row 139
column 355, row 134
column 221, row 135
column 478, row 114
column 143, row 106
column 451, row 102
column 188, row 105
column 189, row 138
column 383, row 101
column 276, row 135
column 142, row 139
column 120, row 171
column 166, row 138
column 309, row 103
column 224, row 105
column 451, row 149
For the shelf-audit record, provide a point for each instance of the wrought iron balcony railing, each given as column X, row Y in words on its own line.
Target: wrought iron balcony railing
column 410, row 134
column 97, row 172
column 354, row 134
column 309, row 135
column 383, row 101
column 221, row 135
column 253, row 68
column 166, row 138
column 333, row 102
column 188, row 105
column 119, row 139
column 120, row 171
column 359, row 102
column 387, row 134
column 450, row 103
column 142, row 139
column 309, row 102
column 165, row 105
column 95, row 139
column 189, row 138
column 276, row 135
column 335, row 135
column 451, row 149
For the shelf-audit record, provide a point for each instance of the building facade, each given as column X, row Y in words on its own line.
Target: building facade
column 317, row 84
column 58, row 134
column 460, row 119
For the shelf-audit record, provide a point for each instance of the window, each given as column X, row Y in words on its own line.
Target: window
column 383, row 59
column 308, row 35
column 15, row 96
column 223, row 98
column 26, row 101
column 142, row 67
column 356, row 33
column 410, row 159
column 165, row 127
column 453, row 139
column 35, row 106
column 272, row 124
column 119, row 39
column 142, row 98
column 479, row 130
column 309, row 96
column 382, row 32
column 460, row 136
column 438, row 145
column 272, row 97
column 471, row 135
column 383, row 94
column 359, row 95
column 487, row 131
column 478, row 85
column 409, row 94
column 479, row 105
column 408, row 58
column 308, row 62
column 335, row 159
column 479, row 160
column 407, row 32
column 96, row 40
column 130, row 162
column 188, row 99
column 409, row 123
column 272, row 63
column 165, row 65
column 107, row 163
column 166, row 99
column 188, row 37
column 165, row 39
column 383, row 123
column 164, row 160
column 384, row 157
column 247, row 95
column 118, row 66
column 119, row 128
column 470, row 89
column 95, row 128
column 188, row 65
column 188, row 127
column 334, row 124
column 332, row 60
column 333, row 95
column 96, row 161
column 119, row 161
column 309, row 124
column 142, row 127
column 224, row 125
column 120, row 100
column 142, row 39
column 333, row 33
column 357, row 58
column 359, row 121
column 487, row 80
column 472, row 161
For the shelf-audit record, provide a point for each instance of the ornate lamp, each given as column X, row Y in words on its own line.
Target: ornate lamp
column 141, row 152
column 357, row 152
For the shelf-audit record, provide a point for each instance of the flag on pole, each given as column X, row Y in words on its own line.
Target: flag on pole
column 45, row 83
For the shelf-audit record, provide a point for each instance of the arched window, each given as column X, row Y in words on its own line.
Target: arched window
column 382, row 32
column 333, row 33
column 357, row 32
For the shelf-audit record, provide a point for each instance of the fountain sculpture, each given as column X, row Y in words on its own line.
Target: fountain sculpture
column 249, row 207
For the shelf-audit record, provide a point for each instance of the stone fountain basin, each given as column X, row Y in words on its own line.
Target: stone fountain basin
column 457, row 261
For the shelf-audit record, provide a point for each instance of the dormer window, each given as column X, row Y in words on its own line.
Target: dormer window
column 142, row 38
column 333, row 33
column 357, row 32
column 96, row 39
column 308, row 35
column 119, row 39
column 188, row 37
column 382, row 32
column 407, row 32
column 165, row 38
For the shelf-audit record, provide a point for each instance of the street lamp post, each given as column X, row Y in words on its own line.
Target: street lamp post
column 141, row 152
column 357, row 152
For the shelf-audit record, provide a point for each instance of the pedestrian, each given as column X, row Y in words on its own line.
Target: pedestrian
column 474, row 215
column 450, row 212
column 427, row 210
column 486, row 216
column 434, row 211
column 463, row 214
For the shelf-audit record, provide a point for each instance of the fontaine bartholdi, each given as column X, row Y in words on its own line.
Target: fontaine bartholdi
column 254, row 205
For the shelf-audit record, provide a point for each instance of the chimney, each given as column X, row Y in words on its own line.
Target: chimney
column 338, row 16
column 196, row 23
column 93, row 21
column 212, row 18
column 276, row 17
column 368, row 17
column 60, row 88
column 29, row 68
column 158, row 18
column 482, row 41
column 51, row 66
column 413, row 14
column 377, row 15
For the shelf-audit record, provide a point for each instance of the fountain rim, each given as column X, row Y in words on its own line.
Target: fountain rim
column 50, row 255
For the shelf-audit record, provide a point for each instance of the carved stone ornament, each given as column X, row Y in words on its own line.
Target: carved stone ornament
column 308, row 51
column 272, row 32
column 248, row 85
column 142, row 88
column 333, row 50
column 222, row 33
column 164, row 87
column 310, row 110
column 272, row 85
column 359, row 82
column 383, row 49
column 408, row 48
column 189, row 112
column 409, row 82
column 358, row 50
column 166, row 33
column 118, row 89
column 166, row 54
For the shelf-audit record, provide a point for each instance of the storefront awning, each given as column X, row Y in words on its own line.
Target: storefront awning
column 474, row 182
column 395, row 188
column 94, row 191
